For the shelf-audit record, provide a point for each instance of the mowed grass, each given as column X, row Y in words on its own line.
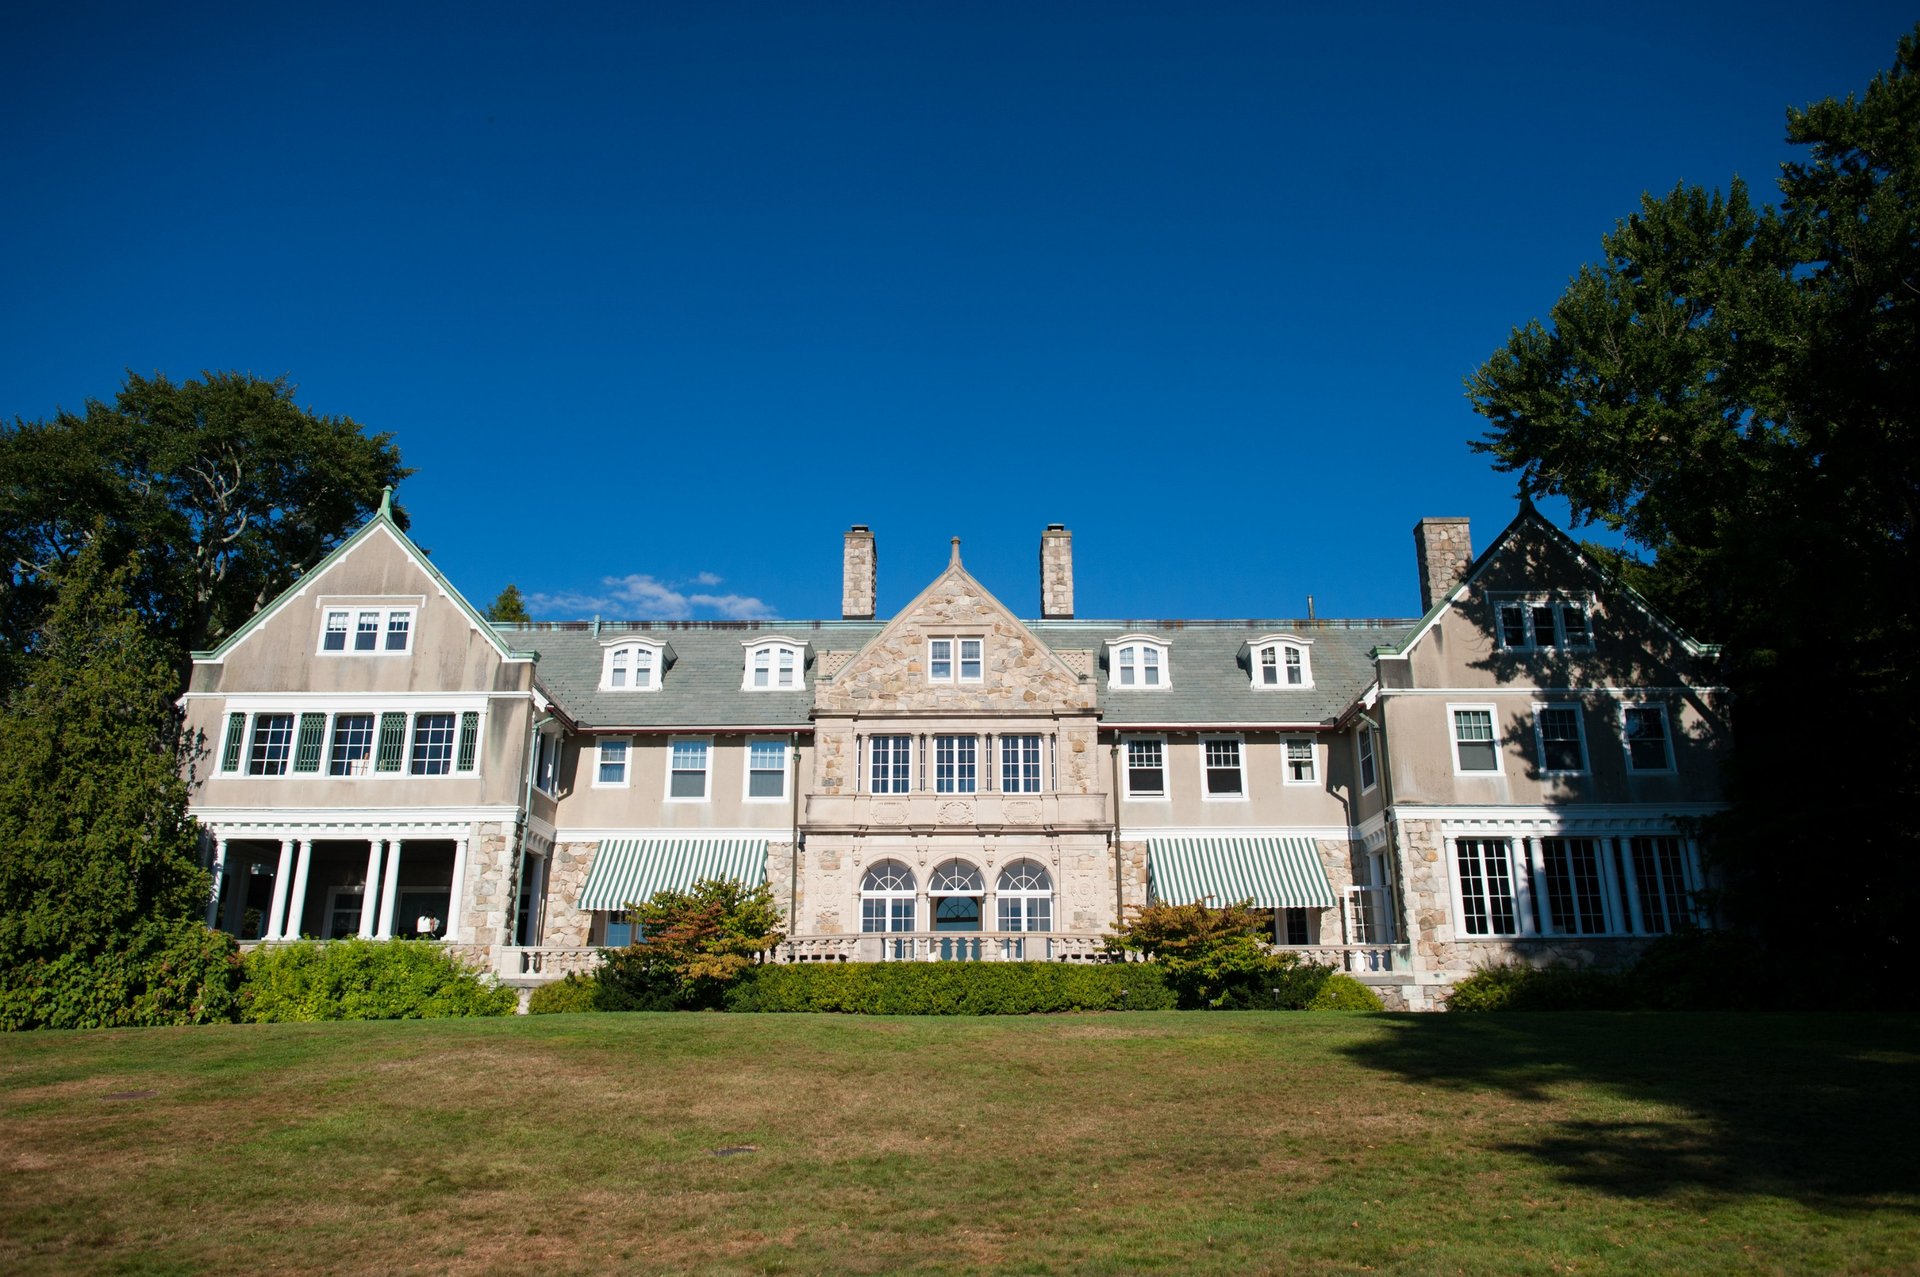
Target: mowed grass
column 1137, row 1143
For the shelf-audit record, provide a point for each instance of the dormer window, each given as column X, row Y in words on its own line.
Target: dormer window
column 1528, row 625
column 1282, row 661
column 1137, row 660
column 366, row 629
column 774, row 665
column 632, row 665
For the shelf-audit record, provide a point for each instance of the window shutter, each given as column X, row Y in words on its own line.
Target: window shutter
column 313, row 730
column 469, row 738
column 236, row 738
column 393, row 742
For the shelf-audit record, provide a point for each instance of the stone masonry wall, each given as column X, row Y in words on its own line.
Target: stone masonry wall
column 567, row 925
column 488, row 887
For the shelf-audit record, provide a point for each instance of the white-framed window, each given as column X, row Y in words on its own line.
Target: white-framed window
column 1138, row 660
column 1222, row 768
column 349, row 630
column 1529, row 624
column 1020, row 764
column 1146, row 767
column 1282, row 661
column 887, row 897
column 1368, row 758
column 1560, row 740
column 1489, row 900
column 956, row 764
column 892, row 767
column 271, row 748
column 1476, row 750
column 1573, row 883
column 773, row 665
column 1302, row 761
column 766, row 769
column 688, row 767
column 351, row 750
column 546, row 763
column 631, row 665
column 610, row 762
column 348, row 743
column 433, row 740
column 955, row 659
column 1660, row 881
column 1025, row 897
column 1645, row 732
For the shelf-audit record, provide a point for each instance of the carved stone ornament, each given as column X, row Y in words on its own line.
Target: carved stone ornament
column 1023, row 812
column 956, row 813
column 889, row 813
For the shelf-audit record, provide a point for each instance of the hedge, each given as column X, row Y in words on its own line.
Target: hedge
column 575, row 993
column 952, row 988
column 366, row 980
column 163, row 973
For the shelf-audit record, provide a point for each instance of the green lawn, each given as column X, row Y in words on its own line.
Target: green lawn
column 1137, row 1143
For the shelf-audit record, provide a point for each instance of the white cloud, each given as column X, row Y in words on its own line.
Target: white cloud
column 641, row 597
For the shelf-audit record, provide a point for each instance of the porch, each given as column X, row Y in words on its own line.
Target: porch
column 333, row 886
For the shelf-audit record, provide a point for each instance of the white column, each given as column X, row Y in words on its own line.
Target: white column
column 390, row 890
column 219, row 879
column 455, row 909
column 297, row 902
column 1632, row 884
column 275, row 926
column 1537, row 861
column 370, row 893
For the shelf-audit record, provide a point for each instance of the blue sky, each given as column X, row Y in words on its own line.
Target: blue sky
column 660, row 298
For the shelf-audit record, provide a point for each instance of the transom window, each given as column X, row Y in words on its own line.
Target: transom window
column 1146, row 768
column 1020, row 764
column 1528, row 624
column 367, row 629
column 1474, row 747
column 631, row 667
column 1563, row 750
column 1137, row 661
column 1282, row 661
column 1220, row 757
column 887, row 897
column 1649, row 746
column 951, row 660
column 774, row 667
column 1025, row 897
column 956, row 764
column 892, row 764
column 956, row 878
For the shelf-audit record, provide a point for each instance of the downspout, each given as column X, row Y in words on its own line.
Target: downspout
column 1119, row 870
column 519, row 860
column 794, row 847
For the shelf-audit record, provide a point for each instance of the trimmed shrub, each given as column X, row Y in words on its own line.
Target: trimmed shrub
column 952, row 988
column 1341, row 992
column 366, row 980
column 163, row 973
column 1517, row 987
column 563, row 997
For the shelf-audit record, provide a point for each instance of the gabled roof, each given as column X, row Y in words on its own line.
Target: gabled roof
column 381, row 522
column 1528, row 516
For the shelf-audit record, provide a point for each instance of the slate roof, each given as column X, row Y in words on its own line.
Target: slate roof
column 1210, row 684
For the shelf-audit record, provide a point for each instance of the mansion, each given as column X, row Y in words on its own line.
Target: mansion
column 1514, row 773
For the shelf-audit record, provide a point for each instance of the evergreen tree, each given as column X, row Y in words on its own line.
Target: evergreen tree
column 95, row 841
column 509, row 608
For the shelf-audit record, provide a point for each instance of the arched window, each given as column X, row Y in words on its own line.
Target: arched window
column 1282, row 661
column 957, row 890
column 1138, row 660
column 773, row 665
column 1025, row 893
column 632, row 666
column 886, row 897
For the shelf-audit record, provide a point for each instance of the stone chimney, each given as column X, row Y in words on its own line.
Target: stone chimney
column 1445, row 550
column 1056, row 573
column 859, row 565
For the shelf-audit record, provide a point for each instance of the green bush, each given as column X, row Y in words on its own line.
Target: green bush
column 1340, row 992
column 952, row 988
column 162, row 973
column 1700, row 971
column 366, row 980
column 563, row 997
column 1517, row 987
column 696, row 943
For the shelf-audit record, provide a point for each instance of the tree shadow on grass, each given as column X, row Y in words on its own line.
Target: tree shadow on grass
column 1817, row 1109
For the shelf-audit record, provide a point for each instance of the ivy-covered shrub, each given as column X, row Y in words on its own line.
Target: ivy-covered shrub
column 1517, row 987
column 952, row 988
column 366, row 980
column 161, row 973
column 1341, row 992
column 563, row 997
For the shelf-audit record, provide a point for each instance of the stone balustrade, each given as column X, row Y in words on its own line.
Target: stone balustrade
column 1354, row 959
column 943, row 946
column 544, row 962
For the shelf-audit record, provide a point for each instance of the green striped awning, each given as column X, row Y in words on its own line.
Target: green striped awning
column 629, row 870
column 1274, row 873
